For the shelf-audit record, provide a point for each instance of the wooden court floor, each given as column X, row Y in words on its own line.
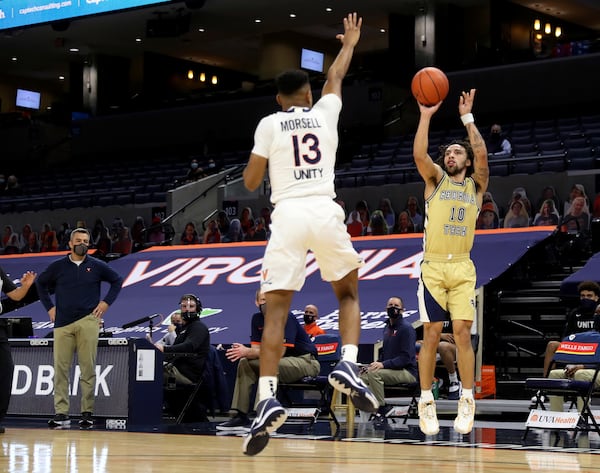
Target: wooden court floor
column 40, row 450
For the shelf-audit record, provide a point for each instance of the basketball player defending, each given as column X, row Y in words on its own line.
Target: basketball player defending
column 299, row 146
column 453, row 194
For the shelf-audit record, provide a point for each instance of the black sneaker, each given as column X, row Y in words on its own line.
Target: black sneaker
column 86, row 421
column 379, row 422
column 345, row 379
column 238, row 422
column 269, row 417
column 59, row 421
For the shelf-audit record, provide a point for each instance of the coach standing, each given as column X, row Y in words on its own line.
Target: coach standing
column 76, row 280
column 6, row 362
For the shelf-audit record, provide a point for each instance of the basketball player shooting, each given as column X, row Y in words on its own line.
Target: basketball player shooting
column 299, row 145
column 453, row 195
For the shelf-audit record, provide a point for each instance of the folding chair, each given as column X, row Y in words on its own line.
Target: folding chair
column 329, row 354
column 191, row 389
column 410, row 390
column 582, row 348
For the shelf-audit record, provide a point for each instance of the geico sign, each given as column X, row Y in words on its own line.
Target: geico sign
column 40, row 380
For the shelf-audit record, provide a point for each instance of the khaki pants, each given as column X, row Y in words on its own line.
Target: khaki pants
column 557, row 402
column 291, row 368
column 80, row 336
column 377, row 380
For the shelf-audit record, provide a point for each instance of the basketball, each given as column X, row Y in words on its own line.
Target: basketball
column 430, row 86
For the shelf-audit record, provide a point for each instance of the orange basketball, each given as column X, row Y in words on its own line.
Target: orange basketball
column 430, row 86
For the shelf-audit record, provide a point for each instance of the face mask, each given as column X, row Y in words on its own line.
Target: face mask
column 394, row 312
column 308, row 319
column 80, row 250
column 194, row 165
column 263, row 308
column 588, row 305
column 211, row 165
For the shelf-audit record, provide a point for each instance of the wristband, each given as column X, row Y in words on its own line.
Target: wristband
column 467, row 118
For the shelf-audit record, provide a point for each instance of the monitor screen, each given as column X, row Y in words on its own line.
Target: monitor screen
column 13, row 13
column 312, row 60
column 28, row 99
column 19, row 327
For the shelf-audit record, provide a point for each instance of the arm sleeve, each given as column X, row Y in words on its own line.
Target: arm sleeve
column 115, row 281
column 42, row 284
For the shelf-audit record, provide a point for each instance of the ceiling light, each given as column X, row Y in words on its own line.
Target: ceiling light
column 13, row 59
column 201, row 30
column 537, row 25
column 548, row 28
column 214, row 80
column 190, row 74
column 61, row 77
column 292, row 15
column 258, row 20
column 329, row 9
column 138, row 40
column 382, row 30
column 558, row 32
column 202, row 77
column 74, row 50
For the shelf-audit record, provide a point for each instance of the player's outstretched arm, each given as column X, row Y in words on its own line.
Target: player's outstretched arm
column 481, row 173
column 338, row 69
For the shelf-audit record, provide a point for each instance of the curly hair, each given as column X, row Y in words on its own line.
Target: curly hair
column 470, row 155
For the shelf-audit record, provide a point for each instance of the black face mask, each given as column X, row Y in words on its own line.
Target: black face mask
column 588, row 305
column 309, row 319
column 80, row 250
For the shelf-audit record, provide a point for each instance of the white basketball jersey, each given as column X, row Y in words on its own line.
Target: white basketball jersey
column 300, row 144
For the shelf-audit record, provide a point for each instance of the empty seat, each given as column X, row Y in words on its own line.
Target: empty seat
column 142, row 197
column 582, row 152
column 124, row 199
column 525, row 167
column 105, row 200
column 499, row 169
column 553, row 145
column 553, row 165
column 359, row 163
column 375, row 179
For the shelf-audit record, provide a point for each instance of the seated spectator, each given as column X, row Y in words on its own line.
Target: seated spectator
column 354, row 225
column 377, row 224
column 10, row 241
column 577, row 190
column 246, row 219
column 223, row 222
column 24, row 238
column 580, row 319
column 189, row 235
column 299, row 360
column 397, row 361
column 265, row 214
column 212, row 233
column 195, row 172
column 121, row 239
column 155, row 233
column 311, row 314
column 488, row 217
column 596, row 208
column 138, row 234
column 234, row 233
column 519, row 193
column 385, row 205
column 257, row 231
column 173, row 329
column 63, row 236
column 99, row 229
column 577, row 219
column 547, row 215
column 415, row 213
column 404, row 223
column 549, row 192
column 193, row 338
column 12, row 186
column 489, row 198
column 497, row 143
column 363, row 211
column 103, row 243
column 32, row 245
column 48, row 240
column 517, row 216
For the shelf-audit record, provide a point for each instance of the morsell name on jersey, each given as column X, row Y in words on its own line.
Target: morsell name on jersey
column 298, row 123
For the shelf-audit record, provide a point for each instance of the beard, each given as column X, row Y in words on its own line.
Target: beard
column 455, row 170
